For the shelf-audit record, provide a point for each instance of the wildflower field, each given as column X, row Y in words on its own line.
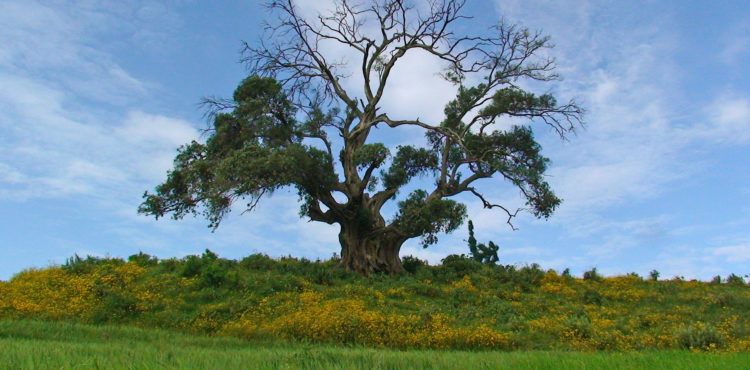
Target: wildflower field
column 458, row 305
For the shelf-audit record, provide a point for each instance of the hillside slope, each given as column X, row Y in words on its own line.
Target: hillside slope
column 460, row 304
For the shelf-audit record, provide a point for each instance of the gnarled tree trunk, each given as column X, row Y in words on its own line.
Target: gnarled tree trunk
column 365, row 254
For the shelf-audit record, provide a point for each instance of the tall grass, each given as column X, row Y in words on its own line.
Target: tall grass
column 45, row 345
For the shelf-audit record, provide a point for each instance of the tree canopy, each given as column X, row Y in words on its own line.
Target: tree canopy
column 295, row 123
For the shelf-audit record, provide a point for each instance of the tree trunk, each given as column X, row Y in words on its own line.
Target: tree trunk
column 365, row 255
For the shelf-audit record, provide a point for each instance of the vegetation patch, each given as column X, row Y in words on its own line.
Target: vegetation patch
column 460, row 304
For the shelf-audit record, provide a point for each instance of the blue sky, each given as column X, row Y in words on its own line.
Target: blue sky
column 95, row 96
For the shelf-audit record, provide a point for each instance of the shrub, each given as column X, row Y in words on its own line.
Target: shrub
column 486, row 254
column 457, row 266
column 654, row 275
column 735, row 280
column 78, row 265
column 592, row 275
column 321, row 274
column 191, row 266
column 723, row 300
column 592, row 297
column 115, row 306
column 699, row 336
column 258, row 261
column 634, row 275
column 579, row 326
column 411, row 264
column 527, row 276
column 426, row 290
column 213, row 275
column 143, row 259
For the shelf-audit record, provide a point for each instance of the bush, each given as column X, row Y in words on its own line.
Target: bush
column 210, row 270
column 654, row 275
column 80, row 266
column 191, row 266
column 213, row 275
column 592, row 297
column 700, row 336
column 321, row 274
column 579, row 326
column 457, row 266
column 527, row 277
column 143, row 259
column 115, row 307
column 592, row 275
column 735, row 280
column 257, row 261
column 411, row 264
column 635, row 276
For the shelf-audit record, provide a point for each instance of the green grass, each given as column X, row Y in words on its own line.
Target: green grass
column 55, row 345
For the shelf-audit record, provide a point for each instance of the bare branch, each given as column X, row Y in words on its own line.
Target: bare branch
column 489, row 205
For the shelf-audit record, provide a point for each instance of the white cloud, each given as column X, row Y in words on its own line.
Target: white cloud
column 728, row 121
column 10, row 175
column 55, row 43
column 57, row 137
column 733, row 253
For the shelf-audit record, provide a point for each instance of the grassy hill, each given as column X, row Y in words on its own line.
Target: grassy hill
column 460, row 304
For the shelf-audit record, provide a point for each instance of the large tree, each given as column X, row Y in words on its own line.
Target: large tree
column 297, row 122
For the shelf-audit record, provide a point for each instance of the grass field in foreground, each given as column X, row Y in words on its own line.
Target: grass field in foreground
column 45, row 345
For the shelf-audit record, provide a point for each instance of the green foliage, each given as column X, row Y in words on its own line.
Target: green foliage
column 486, row 254
column 208, row 268
column 260, row 262
column 521, row 307
column 257, row 147
column 116, row 306
column 370, row 155
column 420, row 216
column 734, row 279
column 143, row 259
column 411, row 264
column 78, row 265
column 517, row 156
column 700, row 336
column 254, row 150
column 456, row 266
column 592, row 297
column 408, row 163
column 592, row 275
column 634, row 275
column 514, row 101
column 527, row 278
column 654, row 275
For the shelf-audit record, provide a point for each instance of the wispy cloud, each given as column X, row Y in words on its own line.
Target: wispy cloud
column 733, row 253
column 67, row 118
